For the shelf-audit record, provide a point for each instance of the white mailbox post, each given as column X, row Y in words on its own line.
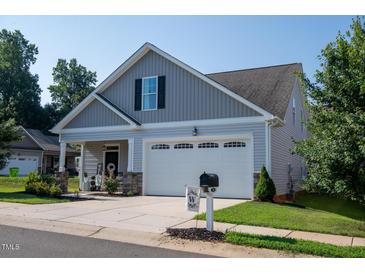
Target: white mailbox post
column 208, row 183
column 210, row 211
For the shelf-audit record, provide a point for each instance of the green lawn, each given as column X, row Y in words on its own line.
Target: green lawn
column 12, row 190
column 317, row 214
column 295, row 246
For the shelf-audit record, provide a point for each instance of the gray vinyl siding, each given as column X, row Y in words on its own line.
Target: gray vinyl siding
column 94, row 155
column 96, row 115
column 26, row 143
column 187, row 97
column 282, row 144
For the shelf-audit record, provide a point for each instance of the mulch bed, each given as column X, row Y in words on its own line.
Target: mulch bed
column 195, row 234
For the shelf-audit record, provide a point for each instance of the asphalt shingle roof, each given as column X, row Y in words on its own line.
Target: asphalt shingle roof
column 268, row 87
column 48, row 142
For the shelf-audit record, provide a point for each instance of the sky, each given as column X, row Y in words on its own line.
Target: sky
column 207, row 43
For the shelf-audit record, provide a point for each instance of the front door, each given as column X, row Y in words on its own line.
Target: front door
column 111, row 157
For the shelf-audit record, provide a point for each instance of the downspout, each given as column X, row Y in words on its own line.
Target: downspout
column 273, row 122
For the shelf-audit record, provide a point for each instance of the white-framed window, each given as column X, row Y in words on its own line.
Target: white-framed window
column 183, row 146
column 149, row 93
column 235, row 144
column 112, row 147
column 208, row 145
column 160, row 146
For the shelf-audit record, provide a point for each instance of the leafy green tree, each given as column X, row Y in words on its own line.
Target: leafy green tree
column 265, row 189
column 19, row 90
column 335, row 150
column 8, row 134
column 73, row 82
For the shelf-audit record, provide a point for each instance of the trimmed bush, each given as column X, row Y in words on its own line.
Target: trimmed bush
column 265, row 188
column 42, row 189
column 48, row 179
column 110, row 185
column 42, row 185
column 55, row 191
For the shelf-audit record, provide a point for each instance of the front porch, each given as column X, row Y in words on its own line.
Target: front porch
column 100, row 160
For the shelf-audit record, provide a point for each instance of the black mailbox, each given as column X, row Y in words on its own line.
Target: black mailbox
column 209, row 180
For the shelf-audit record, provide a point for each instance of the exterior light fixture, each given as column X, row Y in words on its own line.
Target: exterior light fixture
column 195, row 131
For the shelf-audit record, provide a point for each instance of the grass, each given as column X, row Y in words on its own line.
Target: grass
column 295, row 246
column 316, row 214
column 12, row 191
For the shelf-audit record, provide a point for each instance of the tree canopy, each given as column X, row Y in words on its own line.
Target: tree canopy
column 335, row 150
column 19, row 89
column 73, row 82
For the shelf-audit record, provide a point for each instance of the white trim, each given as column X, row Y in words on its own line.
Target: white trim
column 192, row 123
column 121, row 115
column 130, row 62
column 62, row 157
column 268, row 147
column 112, row 150
column 81, row 167
column 130, row 155
column 156, row 93
column 248, row 135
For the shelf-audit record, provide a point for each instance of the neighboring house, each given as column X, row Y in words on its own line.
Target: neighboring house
column 38, row 152
column 163, row 123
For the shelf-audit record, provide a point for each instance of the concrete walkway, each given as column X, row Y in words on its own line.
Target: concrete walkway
column 267, row 231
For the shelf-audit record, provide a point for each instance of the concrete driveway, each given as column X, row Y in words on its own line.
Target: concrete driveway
column 140, row 213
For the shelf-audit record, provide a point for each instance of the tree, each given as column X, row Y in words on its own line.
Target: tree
column 8, row 134
column 265, row 189
column 335, row 150
column 73, row 82
column 19, row 90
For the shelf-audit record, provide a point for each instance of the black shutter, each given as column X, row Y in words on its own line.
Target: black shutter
column 138, row 95
column 161, row 92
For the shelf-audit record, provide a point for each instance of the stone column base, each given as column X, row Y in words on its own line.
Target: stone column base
column 62, row 180
column 132, row 182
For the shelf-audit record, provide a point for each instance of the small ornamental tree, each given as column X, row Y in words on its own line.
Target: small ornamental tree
column 265, row 188
column 335, row 150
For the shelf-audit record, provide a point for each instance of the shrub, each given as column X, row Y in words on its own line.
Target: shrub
column 265, row 188
column 32, row 177
column 41, row 185
column 31, row 187
column 111, row 185
column 49, row 180
column 55, row 191
column 42, row 188
column 130, row 193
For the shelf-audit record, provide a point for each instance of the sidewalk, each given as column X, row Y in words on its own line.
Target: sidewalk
column 146, row 238
column 267, row 231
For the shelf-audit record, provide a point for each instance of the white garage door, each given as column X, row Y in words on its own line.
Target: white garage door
column 26, row 164
column 172, row 165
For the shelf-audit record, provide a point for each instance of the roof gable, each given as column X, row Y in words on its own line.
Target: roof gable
column 96, row 115
column 130, row 62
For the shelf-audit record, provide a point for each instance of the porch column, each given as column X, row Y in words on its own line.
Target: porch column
column 81, row 168
column 62, row 160
column 130, row 154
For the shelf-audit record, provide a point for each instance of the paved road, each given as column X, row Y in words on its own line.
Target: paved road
column 29, row 243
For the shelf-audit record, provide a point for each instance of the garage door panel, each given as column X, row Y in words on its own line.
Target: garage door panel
column 169, row 170
column 26, row 164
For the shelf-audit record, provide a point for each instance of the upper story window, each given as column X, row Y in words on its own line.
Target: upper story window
column 149, row 93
